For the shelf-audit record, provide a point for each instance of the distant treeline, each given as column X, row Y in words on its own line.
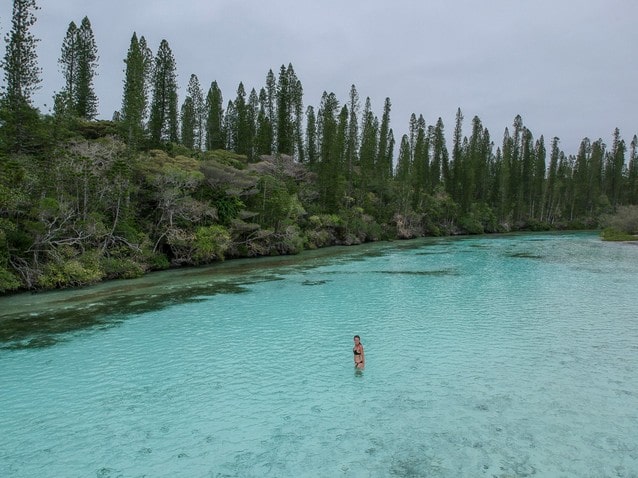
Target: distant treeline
column 168, row 183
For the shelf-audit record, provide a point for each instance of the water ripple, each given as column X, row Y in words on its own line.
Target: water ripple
column 481, row 361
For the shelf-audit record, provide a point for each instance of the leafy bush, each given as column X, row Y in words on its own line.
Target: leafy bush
column 121, row 268
column 625, row 220
column 8, row 281
column 156, row 261
column 470, row 224
column 611, row 234
column 316, row 239
column 70, row 273
column 534, row 225
column 211, row 243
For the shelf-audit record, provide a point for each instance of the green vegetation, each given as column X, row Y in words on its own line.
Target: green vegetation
column 621, row 226
column 163, row 185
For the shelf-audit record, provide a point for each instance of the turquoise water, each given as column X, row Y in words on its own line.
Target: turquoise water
column 504, row 356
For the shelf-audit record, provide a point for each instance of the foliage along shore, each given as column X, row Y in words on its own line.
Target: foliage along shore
column 159, row 186
column 103, row 213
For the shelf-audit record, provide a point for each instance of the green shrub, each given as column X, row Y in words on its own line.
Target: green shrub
column 470, row 224
column 316, row 239
column 535, row 225
column 157, row 261
column 71, row 273
column 121, row 268
column 625, row 220
column 8, row 281
column 290, row 241
column 211, row 243
column 611, row 234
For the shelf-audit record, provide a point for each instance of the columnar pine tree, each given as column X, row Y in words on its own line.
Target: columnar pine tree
column 339, row 144
column 194, row 91
column 297, row 112
column 595, row 179
column 458, row 168
column 403, row 175
column 403, row 170
column 264, row 133
column 383, row 169
column 311, row 154
column 149, row 65
column 440, row 169
column 192, row 115
column 84, row 98
column 252, row 115
column 289, row 106
column 68, row 62
column 508, row 187
column 480, row 161
column 352, row 137
column 271, row 106
column 229, row 126
column 515, row 168
column 474, row 163
column 412, row 131
column 329, row 173
column 215, row 137
column 240, row 127
column 369, row 143
column 187, row 117
column 21, row 79
column 284, row 112
column 486, row 180
column 552, row 188
column 134, row 99
column 527, row 173
column 421, row 162
column 582, row 199
column 614, row 169
column 163, row 119
column 540, row 154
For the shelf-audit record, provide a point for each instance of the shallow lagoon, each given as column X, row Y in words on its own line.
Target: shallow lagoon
column 504, row 356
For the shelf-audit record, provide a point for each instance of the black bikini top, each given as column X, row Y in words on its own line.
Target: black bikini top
column 355, row 352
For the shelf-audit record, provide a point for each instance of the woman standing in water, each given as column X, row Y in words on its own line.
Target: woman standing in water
column 359, row 356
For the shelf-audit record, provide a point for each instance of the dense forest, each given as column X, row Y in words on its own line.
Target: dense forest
column 169, row 182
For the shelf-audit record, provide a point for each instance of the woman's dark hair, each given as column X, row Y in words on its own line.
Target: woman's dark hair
column 357, row 337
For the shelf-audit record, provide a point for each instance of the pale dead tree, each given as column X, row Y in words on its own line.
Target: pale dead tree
column 281, row 166
column 175, row 205
column 101, row 171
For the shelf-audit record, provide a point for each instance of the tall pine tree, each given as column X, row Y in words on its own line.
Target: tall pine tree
column 369, row 143
column 264, row 131
column 352, row 137
column 421, row 162
column 383, row 163
column 311, row 154
column 68, row 62
column 187, row 116
column 135, row 96
column 194, row 91
column 329, row 171
column 84, row 98
column 21, row 80
column 192, row 115
column 163, row 119
column 215, row 137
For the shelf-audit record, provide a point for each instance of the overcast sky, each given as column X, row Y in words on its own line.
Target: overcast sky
column 568, row 67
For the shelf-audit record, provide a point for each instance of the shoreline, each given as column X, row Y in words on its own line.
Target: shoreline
column 282, row 258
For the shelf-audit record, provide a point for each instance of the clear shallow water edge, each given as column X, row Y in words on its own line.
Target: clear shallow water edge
column 504, row 356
